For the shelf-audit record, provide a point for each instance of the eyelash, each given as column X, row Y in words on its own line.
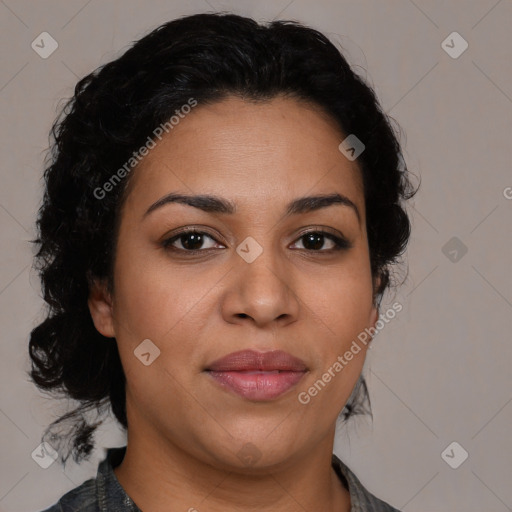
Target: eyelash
column 340, row 243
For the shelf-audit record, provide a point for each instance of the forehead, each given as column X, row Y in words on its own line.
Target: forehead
column 256, row 153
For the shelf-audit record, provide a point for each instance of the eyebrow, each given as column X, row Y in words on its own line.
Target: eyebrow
column 214, row 204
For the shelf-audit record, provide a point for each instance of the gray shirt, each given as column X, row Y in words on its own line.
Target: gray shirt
column 105, row 494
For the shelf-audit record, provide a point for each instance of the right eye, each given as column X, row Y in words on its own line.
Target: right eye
column 190, row 240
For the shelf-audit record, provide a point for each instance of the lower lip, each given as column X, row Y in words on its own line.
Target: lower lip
column 258, row 386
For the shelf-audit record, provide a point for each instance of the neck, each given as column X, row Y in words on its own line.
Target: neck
column 162, row 479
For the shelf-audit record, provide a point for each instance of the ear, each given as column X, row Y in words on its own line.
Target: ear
column 101, row 308
column 374, row 315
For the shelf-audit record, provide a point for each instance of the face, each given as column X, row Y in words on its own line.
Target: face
column 256, row 305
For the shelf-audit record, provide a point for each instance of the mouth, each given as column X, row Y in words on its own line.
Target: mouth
column 257, row 376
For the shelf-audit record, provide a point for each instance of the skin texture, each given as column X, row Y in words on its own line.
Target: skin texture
column 184, row 430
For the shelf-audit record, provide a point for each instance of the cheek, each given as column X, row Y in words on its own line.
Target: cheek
column 161, row 305
column 342, row 299
column 153, row 297
column 171, row 306
column 341, row 307
column 341, row 314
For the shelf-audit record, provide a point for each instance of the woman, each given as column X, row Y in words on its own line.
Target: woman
column 221, row 212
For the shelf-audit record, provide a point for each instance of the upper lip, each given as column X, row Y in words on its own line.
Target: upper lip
column 247, row 360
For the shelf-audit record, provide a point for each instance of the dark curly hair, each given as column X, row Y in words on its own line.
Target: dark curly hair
column 114, row 109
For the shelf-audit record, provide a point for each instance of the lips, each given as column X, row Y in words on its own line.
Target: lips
column 258, row 376
column 250, row 360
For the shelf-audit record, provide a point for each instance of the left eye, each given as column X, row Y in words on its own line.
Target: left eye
column 314, row 239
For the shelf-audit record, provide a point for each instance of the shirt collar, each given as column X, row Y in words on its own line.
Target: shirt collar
column 361, row 500
column 111, row 495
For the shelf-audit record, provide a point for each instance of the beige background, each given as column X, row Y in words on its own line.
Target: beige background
column 440, row 371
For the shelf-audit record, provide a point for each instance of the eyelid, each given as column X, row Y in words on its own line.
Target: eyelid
column 321, row 229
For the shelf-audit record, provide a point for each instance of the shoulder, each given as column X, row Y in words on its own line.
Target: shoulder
column 362, row 500
column 101, row 494
column 80, row 499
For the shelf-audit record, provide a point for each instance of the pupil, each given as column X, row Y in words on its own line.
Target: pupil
column 314, row 237
column 195, row 237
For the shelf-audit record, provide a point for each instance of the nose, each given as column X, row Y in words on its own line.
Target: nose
column 261, row 293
